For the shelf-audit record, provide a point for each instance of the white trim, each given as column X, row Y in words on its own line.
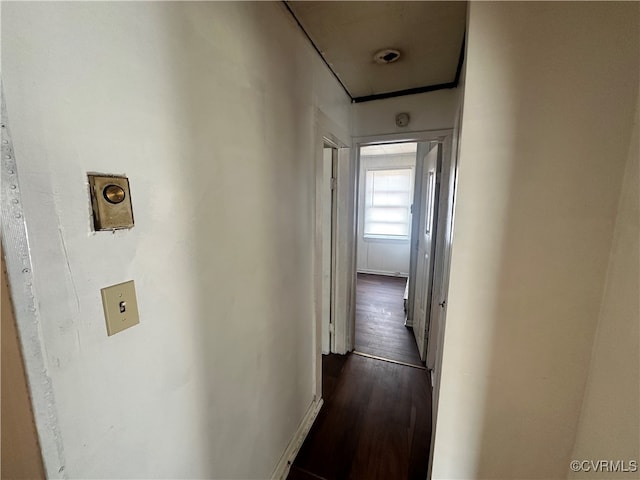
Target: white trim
column 420, row 136
column 325, row 132
column 284, row 464
column 345, row 275
column 372, row 237
column 388, row 360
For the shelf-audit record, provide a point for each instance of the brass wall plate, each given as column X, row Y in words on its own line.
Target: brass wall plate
column 111, row 202
column 120, row 307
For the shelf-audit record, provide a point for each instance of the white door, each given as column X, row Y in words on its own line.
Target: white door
column 446, row 192
column 426, row 247
column 328, row 207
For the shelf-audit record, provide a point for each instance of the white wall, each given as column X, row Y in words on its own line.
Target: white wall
column 429, row 111
column 209, row 108
column 378, row 255
column 609, row 426
column 548, row 108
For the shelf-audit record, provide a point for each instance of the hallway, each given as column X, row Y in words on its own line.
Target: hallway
column 376, row 419
column 375, row 423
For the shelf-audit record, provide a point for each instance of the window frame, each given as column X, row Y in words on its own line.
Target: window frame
column 388, row 237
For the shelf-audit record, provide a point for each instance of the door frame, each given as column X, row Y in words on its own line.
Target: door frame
column 442, row 250
column 432, row 279
column 327, row 132
column 419, row 137
column 329, row 262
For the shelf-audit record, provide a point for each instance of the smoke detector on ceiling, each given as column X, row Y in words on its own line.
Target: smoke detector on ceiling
column 402, row 119
column 387, row 55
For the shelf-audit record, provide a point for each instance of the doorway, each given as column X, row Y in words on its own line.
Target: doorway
column 340, row 222
column 386, row 184
column 393, row 213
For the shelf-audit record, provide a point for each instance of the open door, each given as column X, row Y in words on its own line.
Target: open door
column 426, row 235
column 329, row 158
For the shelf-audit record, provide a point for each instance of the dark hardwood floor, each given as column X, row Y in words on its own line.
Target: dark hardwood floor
column 375, row 423
column 376, row 418
column 380, row 326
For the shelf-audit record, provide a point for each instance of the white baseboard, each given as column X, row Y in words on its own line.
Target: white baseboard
column 380, row 272
column 284, row 465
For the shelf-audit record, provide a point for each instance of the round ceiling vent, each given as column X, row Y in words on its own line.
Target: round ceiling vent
column 387, row 55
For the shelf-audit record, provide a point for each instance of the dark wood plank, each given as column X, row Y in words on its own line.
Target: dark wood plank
column 380, row 314
column 376, row 424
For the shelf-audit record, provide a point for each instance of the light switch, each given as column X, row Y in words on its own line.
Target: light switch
column 111, row 202
column 120, row 307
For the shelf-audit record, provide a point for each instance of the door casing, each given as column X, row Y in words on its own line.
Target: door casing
column 328, row 133
column 329, row 207
column 442, row 136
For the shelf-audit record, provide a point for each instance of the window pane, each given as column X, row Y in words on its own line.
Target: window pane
column 391, row 199
column 396, row 215
column 391, row 180
column 387, row 202
column 391, row 229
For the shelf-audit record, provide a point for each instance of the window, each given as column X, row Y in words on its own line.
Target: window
column 388, row 203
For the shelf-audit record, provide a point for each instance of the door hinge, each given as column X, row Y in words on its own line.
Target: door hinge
column 333, row 183
column 411, row 209
column 332, row 328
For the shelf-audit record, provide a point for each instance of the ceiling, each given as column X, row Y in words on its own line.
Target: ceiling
column 429, row 36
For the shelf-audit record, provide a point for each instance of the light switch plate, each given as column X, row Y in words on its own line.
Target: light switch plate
column 111, row 202
column 120, row 307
